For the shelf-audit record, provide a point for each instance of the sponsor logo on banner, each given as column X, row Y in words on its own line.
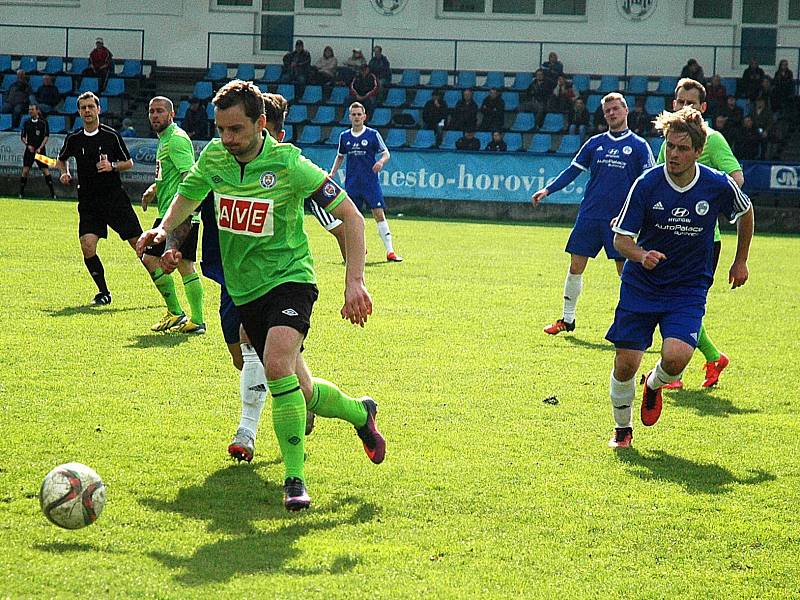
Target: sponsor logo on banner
column 246, row 216
column 784, row 177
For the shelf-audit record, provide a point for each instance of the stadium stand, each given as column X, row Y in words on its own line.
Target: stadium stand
column 466, row 79
column 5, row 122
column 131, row 69
column 569, row 146
column 522, row 80
column 438, row 78
column 333, row 136
column 312, row 95
column 636, row 85
column 513, row 141
column 203, row 90
column 339, row 95
column 298, row 114
column 272, row 73
column 246, row 72
column 78, row 65
column 29, row 64
column 311, row 134
column 57, row 123
column 409, row 78
column 540, row 143
column 395, row 138
column 424, row 139
column 325, row 115
column 494, row 79
column 216, row 72
column 53, row 66
column 524, row 122
column 5, row 63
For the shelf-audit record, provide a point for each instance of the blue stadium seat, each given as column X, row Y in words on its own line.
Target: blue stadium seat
column 396, row 138
column 54, row 65
column 415, row 114
column 345, row 120
column 35, row 82
column 78, row 65
column 77, row 123
column 466, row 79
column 424, row 139
column 438, row 78
column 325, row 115
column 25, row 119
column 287, row 91
column 513, row 141
column 494, row 79
column 271, row 73
column 210, row 111
column 131, row 68
column 298, row 113
column 449, row 140
column 180, row 114
column 339, row 95
column 540, row 143
column 311, row 134
column 114, row 87
column 523, row 122
column 381, row 117
column 511, row 100
column 581, row 83
column 333, row 136
column 593, row 102
column 312, row 95
column 64, row 84
column 655, row 144
column 744, row 105
column 479, row 96
column 263, row 87
column 730, row 85
column 636, row 85
column 409, row 78
column 203, row 90
column 569, row 146
column 89, row 84
column 216, row 72
column 421, row 97
column 630, row 101
column 5, row 63
column 103, row 104
column 522, row 81
column 288, row 133
column 484, row 137
column 5, row 122
column 57, row 123
column 70, row 106
column 451, row 97
column 395, row 98
column 666, row 86
column 8, row 79
column 29, row 64
column 653, row 105
column 553, row 123
column 608, row 83
column 246, row 72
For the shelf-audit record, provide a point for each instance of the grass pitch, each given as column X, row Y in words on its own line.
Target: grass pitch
column 487, row 491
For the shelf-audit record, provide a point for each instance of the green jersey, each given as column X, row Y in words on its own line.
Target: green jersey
column 259, row 212
column 174, row 157
column 718, row 155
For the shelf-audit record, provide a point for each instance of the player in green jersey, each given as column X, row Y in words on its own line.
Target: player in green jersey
column 174, row 158
column 716, row 154
column 259, row 186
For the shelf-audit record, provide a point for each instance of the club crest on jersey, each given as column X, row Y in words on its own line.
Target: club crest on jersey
column 267, row 180
column 627, row 149
column 701, row 208
column 329, row 190
column 364, row 142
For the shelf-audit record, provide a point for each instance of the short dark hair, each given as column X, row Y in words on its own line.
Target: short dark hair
column 275, row 107
column 89, row 96
column 690, row 84
column 244, row 93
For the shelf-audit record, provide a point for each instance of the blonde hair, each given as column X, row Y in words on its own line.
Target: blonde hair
column 686, row 120
column 613, row 96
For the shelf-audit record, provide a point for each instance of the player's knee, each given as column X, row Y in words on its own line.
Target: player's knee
column 674, row 364
column 277, row 366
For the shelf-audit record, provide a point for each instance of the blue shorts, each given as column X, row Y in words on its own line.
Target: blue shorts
column 371, row 195
column 589, row 235
column 229, row 317
column 676, row 318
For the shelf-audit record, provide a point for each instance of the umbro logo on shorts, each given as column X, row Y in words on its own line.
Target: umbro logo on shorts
column 290, row 312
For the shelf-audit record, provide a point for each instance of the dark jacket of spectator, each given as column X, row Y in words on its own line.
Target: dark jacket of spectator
column 762, row 117
column 497, row 144
column 468, row 142
column 493, row 110
column 464, row 115
column 435, row 111
column 563, row 96
column 364, row 85
column 553, row 69
column 751, row 79
column 297, row 63
column 748, row 141
column 540, row 90
column 379, row 66
column 599, row 119
column 19, row 92
column 732, row 113
column 639, row 122
column 48, row 95
column 196, row 122
column 693, row 70
column 716, row 93
column 782, row 86
column 579, row 116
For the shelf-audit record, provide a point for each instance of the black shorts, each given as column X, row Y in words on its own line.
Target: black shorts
column 104, row 209
column 289, row 305
column 28, row 158
column 188, row 248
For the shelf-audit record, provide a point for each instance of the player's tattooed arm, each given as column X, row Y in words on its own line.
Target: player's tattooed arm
column 175, row 238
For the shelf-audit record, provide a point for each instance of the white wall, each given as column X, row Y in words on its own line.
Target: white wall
column 176, row 34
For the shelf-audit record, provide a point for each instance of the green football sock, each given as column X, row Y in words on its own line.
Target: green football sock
column 166, row 286
column 194, row 294
column 289, row 422
column 706, row 346
column 327, row 400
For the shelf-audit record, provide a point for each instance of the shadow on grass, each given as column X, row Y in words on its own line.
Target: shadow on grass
column 232, row 500
column 605, row 346
column 695, row 478
column 157, row 340
column 705, row 403
column 62, row 547
column 70, row 311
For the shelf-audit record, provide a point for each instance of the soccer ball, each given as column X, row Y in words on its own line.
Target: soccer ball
column 72, row 496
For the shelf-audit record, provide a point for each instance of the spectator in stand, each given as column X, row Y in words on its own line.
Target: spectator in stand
column 563, row 96
column 18, row 97
column 782, row 87
column 552, row 68
column 101, row 63
column 195, row 124
column 352, row 66
column 297, row 67
column 324, row 70
column 579, row 118
column 379, row 66
column 48, row 96
column 127, row 130
column 537, row 97
column 599, row 120
column 716, row 93
column 639, row 121
column 693, row 70
column 750, row 83
column 464, row 115
column 435, row 114
column 468, row 141
column 763, row 119
column 493, row 109
column 764, row 92
column 497, row 144
column 364, row 89
column 732, row 112
column 728, row 131
column 749, row 141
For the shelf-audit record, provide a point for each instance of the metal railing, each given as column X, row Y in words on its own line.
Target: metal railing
column 39, row 44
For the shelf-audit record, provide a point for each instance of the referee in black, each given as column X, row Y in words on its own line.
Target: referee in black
column 35, row 134
column 100, row 155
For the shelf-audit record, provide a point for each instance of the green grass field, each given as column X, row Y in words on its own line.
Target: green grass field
column 486, row 492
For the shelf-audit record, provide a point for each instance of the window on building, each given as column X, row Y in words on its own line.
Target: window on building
column 277, row 25
column 519, row 7
column 760, row 11
column 564, row 7
column 224, row 3
column 713, row 9
column 794, row 10
column 322, row 4
column 465, row 6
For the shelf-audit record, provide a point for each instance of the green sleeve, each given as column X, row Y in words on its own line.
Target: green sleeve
column 661, row 152
column 196, row 185
column 720, row 154
column 310, row 178
column 182, row 153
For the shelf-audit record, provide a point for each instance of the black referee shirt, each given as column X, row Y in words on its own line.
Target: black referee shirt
column 34, row 132
column 87, row 148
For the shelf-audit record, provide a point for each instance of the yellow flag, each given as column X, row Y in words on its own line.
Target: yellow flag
column 50, row 162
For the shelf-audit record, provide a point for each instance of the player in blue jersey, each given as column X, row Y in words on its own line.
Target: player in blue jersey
column 666, row 231
column 361, row 144
column 614, row 160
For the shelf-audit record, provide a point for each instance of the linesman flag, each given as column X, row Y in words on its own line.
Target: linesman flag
column 42, row 158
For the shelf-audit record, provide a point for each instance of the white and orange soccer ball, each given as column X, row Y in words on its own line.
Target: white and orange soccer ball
column 72, row 496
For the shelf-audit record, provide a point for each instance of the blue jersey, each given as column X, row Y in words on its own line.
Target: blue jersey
column 211, row 263
column 614, row 163
column 679, row 223
column 361, row 151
